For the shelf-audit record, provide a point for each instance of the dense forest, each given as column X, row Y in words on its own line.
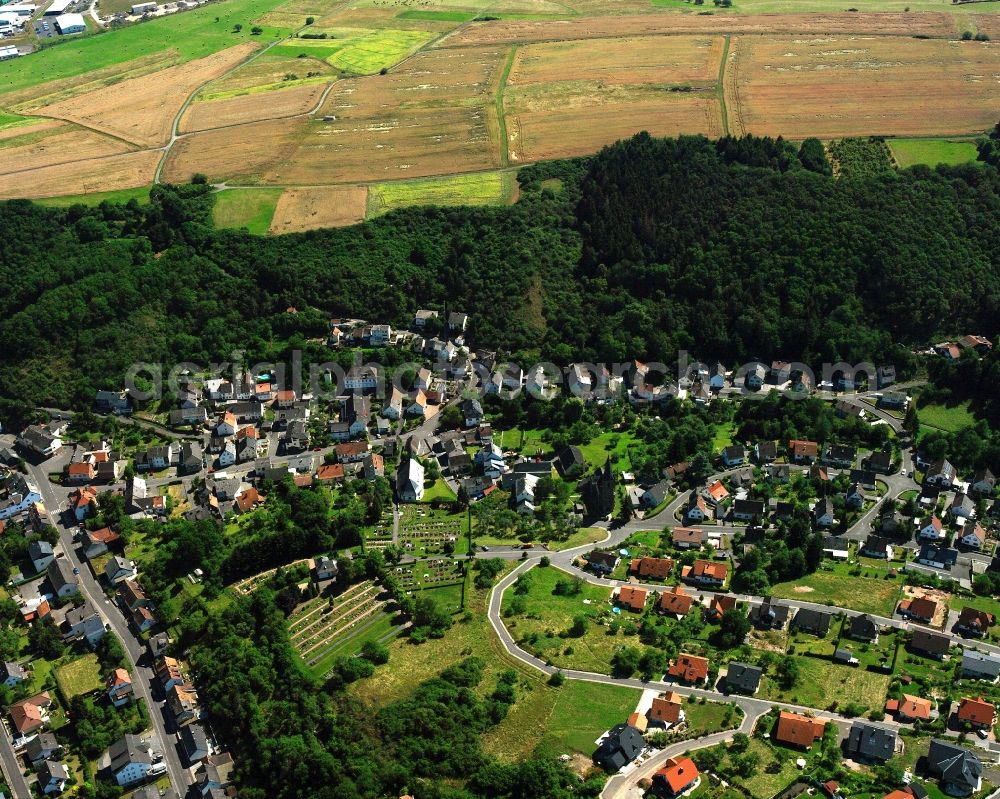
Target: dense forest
column 732, row 249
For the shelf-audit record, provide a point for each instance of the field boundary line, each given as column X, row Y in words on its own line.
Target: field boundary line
column 498, row 101
column 720, row 86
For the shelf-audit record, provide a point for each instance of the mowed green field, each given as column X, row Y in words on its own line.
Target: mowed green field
column 480, row 188
column 252, row 209
column 932, row 152
column 584, row 710
column 190, row 35
column 950, row 418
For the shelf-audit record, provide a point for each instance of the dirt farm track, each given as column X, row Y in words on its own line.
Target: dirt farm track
column 389, row 95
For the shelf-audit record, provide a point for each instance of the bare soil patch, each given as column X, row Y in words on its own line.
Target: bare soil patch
column 310, row 208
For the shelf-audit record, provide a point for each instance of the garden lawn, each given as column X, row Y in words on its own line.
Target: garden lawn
column 838, row 588
column 822, row 683
column 764, row 783
column 79, row 676
column 439, row 490
column 612, row 444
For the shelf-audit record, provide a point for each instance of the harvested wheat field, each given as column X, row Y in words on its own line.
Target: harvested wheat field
column 853, row 86
column 141, row 110
column 581, row 118
column 988, row 24
column 54, row 146
column 634, row 60
column 242, row 151
column 430, row 117
column 327, row 206
column 252, row 107
column 517, row 31
column 127, row 171
column 36, row 128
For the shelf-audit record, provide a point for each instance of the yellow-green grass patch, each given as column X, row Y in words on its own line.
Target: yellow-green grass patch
column 79, row 676
column 379, row 50
column 252, row 209
column 479, row 188
column 932, row 152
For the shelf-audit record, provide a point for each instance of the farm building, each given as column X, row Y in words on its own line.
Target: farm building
column 70, row 23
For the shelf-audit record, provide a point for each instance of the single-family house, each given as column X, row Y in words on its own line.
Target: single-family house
column 677, row 777
column 863, row 628
column 931, row 530
column 632, row 598
column 119, row 569
column 667, row 709
column 979, row 713
column 688, row 537
column 930, row 644
column 733, row 455
column 814, row 622
column 795, row 729
column 620, row 747
column 42, row 747
column 920, row 609
column 119, row 687
column 52, row 777
column 689, row 669
column 870, row 743
column 803, row 451
column 980, row 665
column 40, row 554
column 941, row 474
column 973, row 536
column 876, row 546
column 742, row 678
column 62, row 578
column 958, row 770
column 769, row 615
column 675, row 601
column 194, row 741
column 651, row 568
column 602, row 562
column 707, row 573
column 973, row 623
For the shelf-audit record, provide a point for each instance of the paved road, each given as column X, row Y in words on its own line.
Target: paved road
column 12, row 767
column 144, row 678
